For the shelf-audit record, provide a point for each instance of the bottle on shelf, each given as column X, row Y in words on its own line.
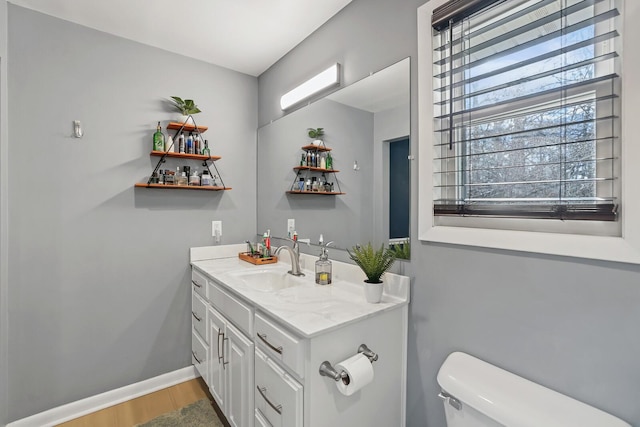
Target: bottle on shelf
column 194, row 179
column 181, row 143
column 329, row 161
column 206, row 178
column 323, row 162
column 158, row 139
column 196, row 144
column 300, row 184
column 189, row 148
column 168, row 145
column 169, row 177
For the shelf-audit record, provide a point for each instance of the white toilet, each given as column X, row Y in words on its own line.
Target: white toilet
column 478, row 394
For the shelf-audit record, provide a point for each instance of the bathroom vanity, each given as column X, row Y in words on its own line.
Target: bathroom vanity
column 260, row 335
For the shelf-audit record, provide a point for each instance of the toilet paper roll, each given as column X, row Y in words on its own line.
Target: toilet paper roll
column 359, row 373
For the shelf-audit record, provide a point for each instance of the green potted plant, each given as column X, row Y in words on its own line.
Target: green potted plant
column 374, row 263
column 316, row 135
column 186, row 107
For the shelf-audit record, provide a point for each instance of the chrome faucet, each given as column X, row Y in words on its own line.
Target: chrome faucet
column 294, row 255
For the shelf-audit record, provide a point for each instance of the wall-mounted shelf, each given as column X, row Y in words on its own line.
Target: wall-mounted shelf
column 303, row 168
column 185, row 156
column 306, row 172
column 320, row 148
column 318, row 193
column 182, row 187
column 206, row 160
column 186, row 127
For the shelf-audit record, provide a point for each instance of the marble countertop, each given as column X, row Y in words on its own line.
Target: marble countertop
column 307, row 309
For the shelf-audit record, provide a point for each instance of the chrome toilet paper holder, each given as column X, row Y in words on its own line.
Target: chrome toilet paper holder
column 326, row 370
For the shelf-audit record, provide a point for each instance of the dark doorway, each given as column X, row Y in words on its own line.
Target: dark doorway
column 399, row 189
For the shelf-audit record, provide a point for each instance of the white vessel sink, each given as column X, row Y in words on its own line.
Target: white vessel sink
column 267, row 280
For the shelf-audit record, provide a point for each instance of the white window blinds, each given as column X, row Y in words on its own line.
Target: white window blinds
column 527, row 109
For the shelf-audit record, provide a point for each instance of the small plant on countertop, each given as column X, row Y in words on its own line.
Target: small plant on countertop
column 185, row 107
column 374, row 263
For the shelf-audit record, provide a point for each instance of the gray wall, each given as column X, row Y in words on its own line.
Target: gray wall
column 4, row 218
column 99, row 278
column 566, row 323
column 345, row 219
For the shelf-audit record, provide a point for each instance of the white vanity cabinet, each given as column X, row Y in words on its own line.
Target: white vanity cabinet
column 228, row 362
column 264, row 348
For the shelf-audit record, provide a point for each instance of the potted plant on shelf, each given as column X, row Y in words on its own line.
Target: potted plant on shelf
column 316, row 135
column 374, row 263
column 186, row 107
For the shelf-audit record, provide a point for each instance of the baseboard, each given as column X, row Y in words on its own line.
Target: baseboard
column 91, row 404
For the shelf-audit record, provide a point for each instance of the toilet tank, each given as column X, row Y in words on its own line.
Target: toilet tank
column 478, row 394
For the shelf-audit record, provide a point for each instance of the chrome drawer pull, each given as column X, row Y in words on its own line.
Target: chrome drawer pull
column 197, row 284
column 263, row 337
column 224, row 364
column 262, row 391
column 195, row 356
column 199, row 319
column 220, row 333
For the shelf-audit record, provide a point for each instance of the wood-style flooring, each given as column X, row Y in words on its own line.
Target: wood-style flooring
column 145, row 408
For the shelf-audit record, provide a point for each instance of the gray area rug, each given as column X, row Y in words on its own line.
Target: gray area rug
column 198, row 414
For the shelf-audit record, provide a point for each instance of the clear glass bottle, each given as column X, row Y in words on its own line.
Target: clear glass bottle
column 206, row 178
column 323, row 268
column 158, row 139
column 194, row 179
column 205, row 150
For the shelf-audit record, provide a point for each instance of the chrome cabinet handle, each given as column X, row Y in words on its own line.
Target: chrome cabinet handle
column 199, row 319
column 262, row 391
column 220, row 333
column 196, row 356
column 197, row 284
column 223, row 362
column 263, row 337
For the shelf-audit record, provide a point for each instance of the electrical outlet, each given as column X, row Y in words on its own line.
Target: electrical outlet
column 291, row 227
column 216, row 230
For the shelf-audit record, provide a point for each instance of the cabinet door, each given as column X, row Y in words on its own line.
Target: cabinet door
column 216, row 380
column 238, row 364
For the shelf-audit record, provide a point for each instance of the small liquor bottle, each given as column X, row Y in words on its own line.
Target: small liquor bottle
column 158, row 139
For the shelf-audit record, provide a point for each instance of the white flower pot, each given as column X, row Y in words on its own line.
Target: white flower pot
column 373, row 292
column 181, row 119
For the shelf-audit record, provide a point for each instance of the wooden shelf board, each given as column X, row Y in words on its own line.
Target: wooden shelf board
column 316, row 148
column 187, row 128
column 181, row 187
column 322, row 193
column 302, row 168
column 185, row 156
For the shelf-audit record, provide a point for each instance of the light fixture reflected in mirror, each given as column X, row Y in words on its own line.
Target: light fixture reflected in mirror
column 326, row 79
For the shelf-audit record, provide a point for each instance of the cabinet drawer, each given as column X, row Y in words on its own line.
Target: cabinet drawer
column 280, row 344
column 232, row 308
column 199, row 355
column 278, row 397
column 199, row 316
column 199, row 283
column 260, row 420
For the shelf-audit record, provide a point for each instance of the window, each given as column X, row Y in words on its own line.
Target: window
column 521, row 125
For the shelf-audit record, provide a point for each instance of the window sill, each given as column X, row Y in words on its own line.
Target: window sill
column 593, row 247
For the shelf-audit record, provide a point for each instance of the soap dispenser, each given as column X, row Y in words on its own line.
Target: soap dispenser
column 323, row 265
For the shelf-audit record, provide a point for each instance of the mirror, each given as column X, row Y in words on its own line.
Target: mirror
column 367, row 127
